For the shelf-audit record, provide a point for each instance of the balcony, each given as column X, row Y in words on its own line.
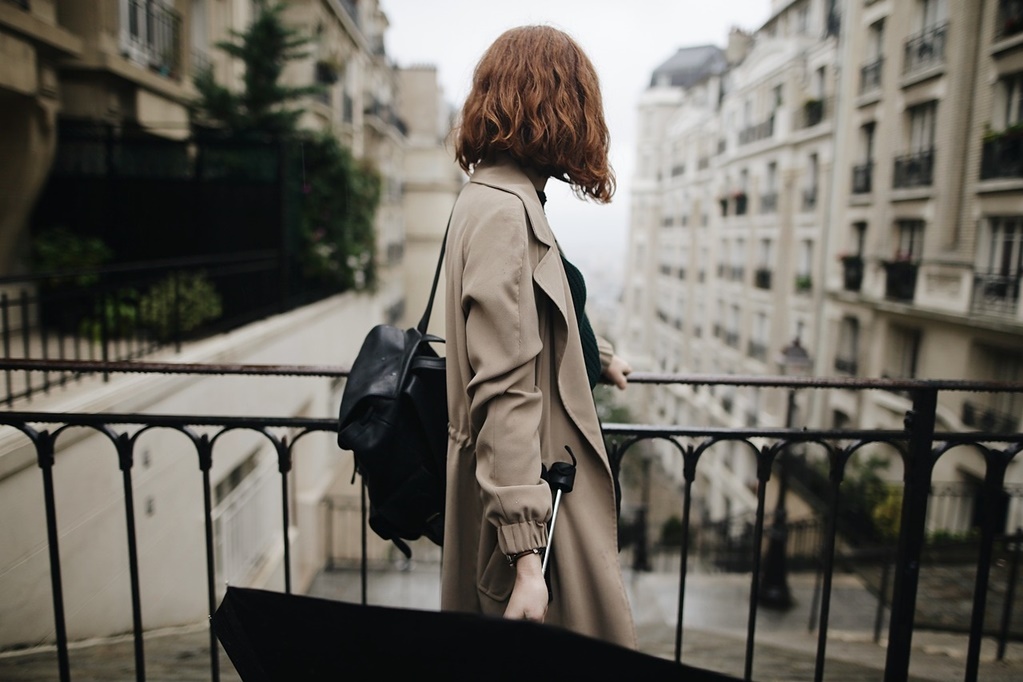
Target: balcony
column 151, row 36
column 846, row 366
column 769, row 202
column 1002, row 154
column 870, row 76
column 803, row 283
column 809, row 199
column 914, row 170
column 1010, row 18
column 983, row 418
column 836, row 547
column 762, row 278
column 812, row 113
column 925, row 50
column 755, row 133
column 741, row 203
column 900, row 280
column 862, row 178
column 996, row 294
column 852, row 272
column 757, row 350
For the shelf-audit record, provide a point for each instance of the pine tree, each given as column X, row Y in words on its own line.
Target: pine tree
column 264, row 48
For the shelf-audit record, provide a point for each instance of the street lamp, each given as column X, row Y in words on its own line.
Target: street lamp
column 774, row 584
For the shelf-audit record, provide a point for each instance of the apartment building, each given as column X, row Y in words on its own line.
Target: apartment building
column 926, row 241
column 851, row 179
column 730, row 209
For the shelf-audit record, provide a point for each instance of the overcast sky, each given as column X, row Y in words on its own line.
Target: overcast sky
column 625, row 40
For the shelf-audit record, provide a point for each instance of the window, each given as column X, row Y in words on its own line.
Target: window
column 805, row 263
column 867, row 135
column 848, row 346
column 930, row 13
column 777, row 97
column 902, row 352
column 921, row 126
column 1005, row 246
column 1012, row 92
column 870, row 72
column 909, row 239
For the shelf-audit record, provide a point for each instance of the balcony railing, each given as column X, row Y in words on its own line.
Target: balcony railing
column 741, row 204
column 809, row 199
column 862, row 180
column 129, row 311
column 914, row 170
column 760, row 131
column 762, row 278
column 845, row 365
column 919, row 445
column 925, row 50
column 757, row 350
column 151, row 36
column 812, row 112
column 900, row 280
column 998, row 294
column 870, row 76
column 1002, row 155
column 852, row 273
column 1010, row 18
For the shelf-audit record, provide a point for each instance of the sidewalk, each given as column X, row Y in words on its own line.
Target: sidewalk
column 714, row 635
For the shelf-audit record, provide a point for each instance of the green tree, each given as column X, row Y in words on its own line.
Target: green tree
column 342, row 194
column 264, row 49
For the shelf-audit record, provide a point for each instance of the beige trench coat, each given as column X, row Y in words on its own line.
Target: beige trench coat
column 517, row 395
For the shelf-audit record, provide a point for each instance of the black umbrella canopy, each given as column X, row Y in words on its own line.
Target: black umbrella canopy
column 271, row 636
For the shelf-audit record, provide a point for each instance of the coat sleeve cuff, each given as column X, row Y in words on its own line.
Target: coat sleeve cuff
column 606, row 351
column 520, row 537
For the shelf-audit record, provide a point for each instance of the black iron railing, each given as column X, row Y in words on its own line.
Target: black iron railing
column 997, row 294
column 1010, row 18
column 127, row 312
column 918, row 445
column 914, row 170
column 925, row 50
column 1002, row 155
column 760, row 131
column 900, row 279
column 812, row 112
column 762, row 278
column 153, row 36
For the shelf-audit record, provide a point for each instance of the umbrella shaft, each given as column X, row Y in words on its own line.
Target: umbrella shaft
column 550, row 534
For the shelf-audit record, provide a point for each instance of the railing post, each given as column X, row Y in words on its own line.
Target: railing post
column 994, row 482
column 45, row 458
column 5, row 328
column 125, row 459
column 204, row 448
column 919, row 462
column 1010, row 590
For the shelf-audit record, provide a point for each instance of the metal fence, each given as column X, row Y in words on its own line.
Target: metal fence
column 918, row 444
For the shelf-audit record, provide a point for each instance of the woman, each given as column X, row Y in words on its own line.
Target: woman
column 519, row 392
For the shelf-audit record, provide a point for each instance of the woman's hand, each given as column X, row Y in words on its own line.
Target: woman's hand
column 529, row 594
column 617, row 371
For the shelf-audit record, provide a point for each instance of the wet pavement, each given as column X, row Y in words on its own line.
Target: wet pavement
column 714, row 635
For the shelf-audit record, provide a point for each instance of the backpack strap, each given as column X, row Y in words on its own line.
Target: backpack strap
column 425, row 320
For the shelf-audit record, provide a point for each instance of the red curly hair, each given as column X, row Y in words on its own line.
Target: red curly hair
column 536, row 96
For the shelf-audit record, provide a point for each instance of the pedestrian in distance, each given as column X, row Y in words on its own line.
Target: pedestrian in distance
column 522, row 359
